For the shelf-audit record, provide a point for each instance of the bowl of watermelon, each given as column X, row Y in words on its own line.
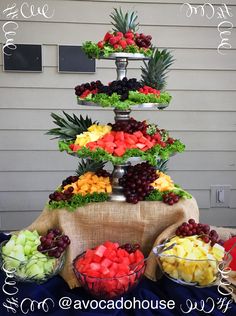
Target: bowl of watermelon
column 109, row 270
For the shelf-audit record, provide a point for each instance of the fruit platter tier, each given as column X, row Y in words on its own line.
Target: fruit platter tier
column 114, row 142
column 123, row 40
column 121, row 94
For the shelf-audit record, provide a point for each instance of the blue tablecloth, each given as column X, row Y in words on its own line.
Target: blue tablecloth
column 154, row 295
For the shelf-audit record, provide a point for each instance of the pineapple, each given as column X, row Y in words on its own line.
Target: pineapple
column 70, row 126
column 88, row 165
column 154, row 72
column 124, row 22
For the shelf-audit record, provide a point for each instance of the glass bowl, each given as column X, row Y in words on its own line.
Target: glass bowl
column 187, row 271
column 107, row 288
column 31, row 270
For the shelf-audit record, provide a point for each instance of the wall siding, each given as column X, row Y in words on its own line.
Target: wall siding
column 202, row 113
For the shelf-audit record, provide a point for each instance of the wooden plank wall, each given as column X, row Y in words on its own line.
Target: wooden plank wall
column 202, row 113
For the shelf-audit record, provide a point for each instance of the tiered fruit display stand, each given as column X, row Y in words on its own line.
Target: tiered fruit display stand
column 121, row 62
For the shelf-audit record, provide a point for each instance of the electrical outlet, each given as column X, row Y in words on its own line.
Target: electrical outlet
column 220, row 195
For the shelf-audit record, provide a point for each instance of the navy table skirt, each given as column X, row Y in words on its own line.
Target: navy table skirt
column 164, row 298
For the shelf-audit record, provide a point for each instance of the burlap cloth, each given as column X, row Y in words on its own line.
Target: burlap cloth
column 95, row 223
column 147, row 223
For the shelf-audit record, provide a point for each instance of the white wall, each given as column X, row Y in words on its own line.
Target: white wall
column 202, row 113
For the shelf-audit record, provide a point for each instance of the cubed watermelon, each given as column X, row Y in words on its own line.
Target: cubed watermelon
column 108, row 138
column 120, row 136
column 95, row 266
column 119, row 151
column 138, row 134
column 100, row 251
column 110, row 150
column 106, row 262
column 96, row 258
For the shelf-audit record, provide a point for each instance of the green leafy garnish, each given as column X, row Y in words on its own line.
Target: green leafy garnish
column 156, row 195
column 93, row 51
column 150, row 155
column 134, row 98
column 78, row 200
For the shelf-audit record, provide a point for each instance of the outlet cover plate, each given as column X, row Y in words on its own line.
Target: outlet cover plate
column 226, row 195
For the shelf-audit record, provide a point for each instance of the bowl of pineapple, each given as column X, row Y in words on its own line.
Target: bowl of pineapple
column 192, row 259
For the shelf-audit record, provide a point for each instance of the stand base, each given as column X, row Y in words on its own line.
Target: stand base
column 117, row 190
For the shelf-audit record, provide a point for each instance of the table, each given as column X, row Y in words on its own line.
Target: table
column 164, row 289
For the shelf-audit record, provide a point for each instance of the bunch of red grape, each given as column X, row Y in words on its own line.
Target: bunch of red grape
column 92, row 86
column 129, row 126
column 103, row 173
column 170, row 198
column 121, row 87
column 130, row 248
column 143, row 40
column 69, row 180
column 61, row 196
column 203, row 230
column 136, row 182
column 54, row 243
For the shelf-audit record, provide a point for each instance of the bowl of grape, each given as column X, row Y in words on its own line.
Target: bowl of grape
column 194, row 256
column 110, row 270
column 29, row 257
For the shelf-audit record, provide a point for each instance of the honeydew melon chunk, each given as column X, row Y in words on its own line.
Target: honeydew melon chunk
column 11, row 264
column 21, row 239
column 35, row 270
column 8, row 248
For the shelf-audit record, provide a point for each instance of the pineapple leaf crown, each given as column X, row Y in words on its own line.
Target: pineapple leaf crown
column 161, row 165
column 124, row 21
column 154, row 72
column 70, row 126
column 87, row 165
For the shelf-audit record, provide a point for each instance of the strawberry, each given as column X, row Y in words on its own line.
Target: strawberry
column 129, row 35
column 116, row 46
column 101, row 44
column 129, row 41
column 114, row 40
column 123, row 43
column 107, row 36
column 119, row 34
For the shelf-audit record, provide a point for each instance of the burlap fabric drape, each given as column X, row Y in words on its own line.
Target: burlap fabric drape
column 95, row 223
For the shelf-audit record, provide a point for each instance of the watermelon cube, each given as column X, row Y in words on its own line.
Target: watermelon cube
column 95, row 266
column 104, row 271
column 96, row 258
column 120, row 136
column 110, row 150
column 100, row 251
column 119, row 151
column 106, row 262
column 108, row 138
column 138, row 134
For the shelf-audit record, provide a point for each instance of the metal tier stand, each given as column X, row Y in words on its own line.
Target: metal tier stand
column 121, row 61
